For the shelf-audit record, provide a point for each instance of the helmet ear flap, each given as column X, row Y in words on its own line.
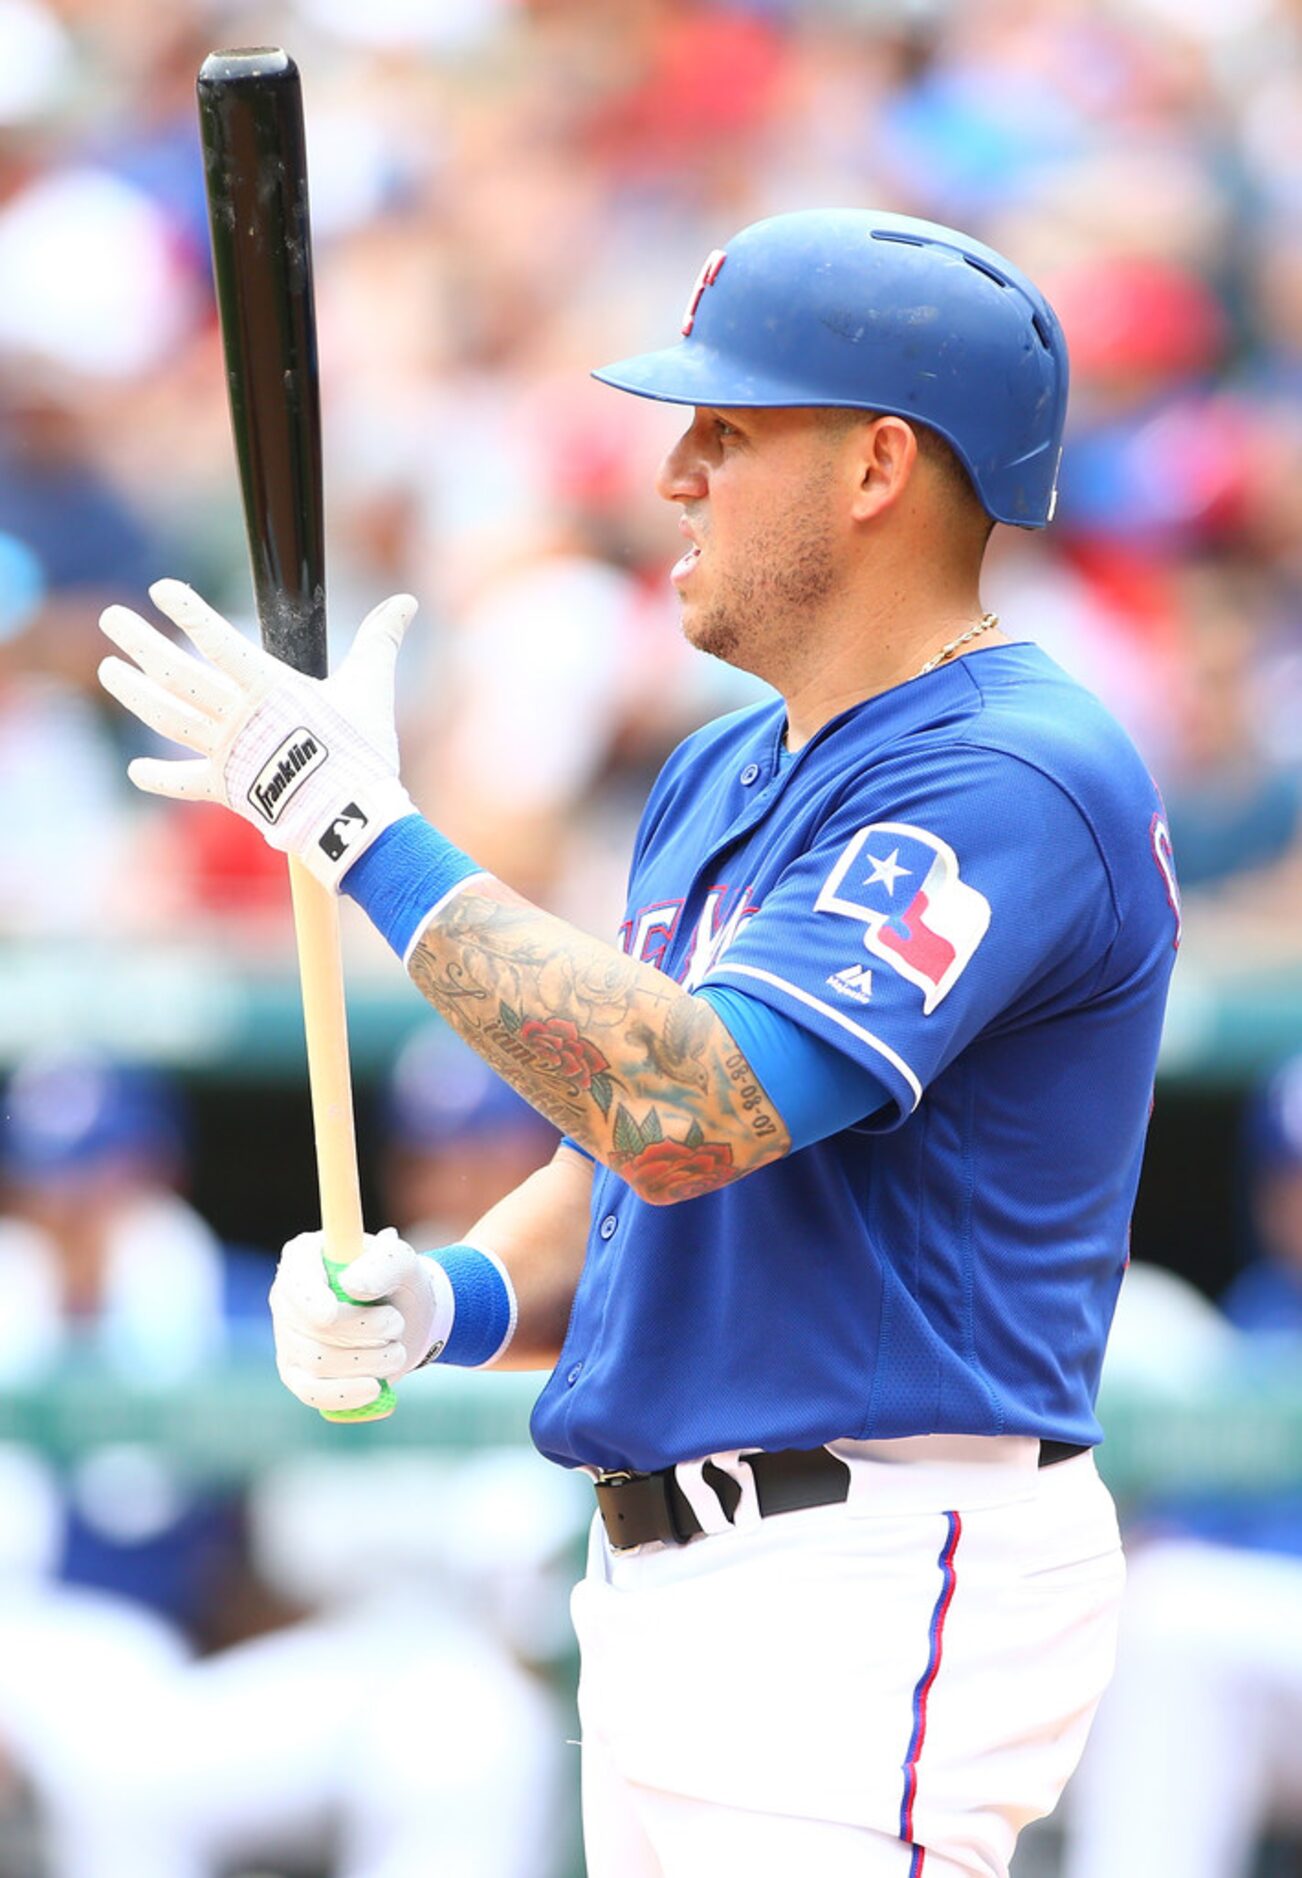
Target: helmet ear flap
column 883, row 313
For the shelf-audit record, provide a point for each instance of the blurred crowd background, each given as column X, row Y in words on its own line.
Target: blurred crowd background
column 506, row 193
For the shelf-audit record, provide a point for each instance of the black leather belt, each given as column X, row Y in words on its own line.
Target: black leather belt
column 639, row 1508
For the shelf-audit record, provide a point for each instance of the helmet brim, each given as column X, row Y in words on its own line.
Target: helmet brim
column 700, row 374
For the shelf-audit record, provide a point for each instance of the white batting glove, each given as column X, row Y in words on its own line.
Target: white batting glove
column 336, row 1355
column 311, row 762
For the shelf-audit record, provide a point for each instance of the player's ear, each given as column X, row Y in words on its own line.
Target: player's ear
column 887, row 451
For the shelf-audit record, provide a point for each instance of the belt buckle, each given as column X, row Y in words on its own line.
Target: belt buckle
column 615, row 1477
column 655, row 1511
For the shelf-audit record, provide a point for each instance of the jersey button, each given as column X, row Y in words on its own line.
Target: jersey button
column 750, row 774
column 607, row 1226
column 572, row 1375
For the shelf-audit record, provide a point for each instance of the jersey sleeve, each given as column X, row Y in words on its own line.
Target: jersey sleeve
column 816, row 1088
column 902, row 932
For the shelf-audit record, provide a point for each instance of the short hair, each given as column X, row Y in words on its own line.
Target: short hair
column 951, row 474
column 944, row 459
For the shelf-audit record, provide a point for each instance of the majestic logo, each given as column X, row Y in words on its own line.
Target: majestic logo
column 904, row 885
column 291, row 765
column 706, row 278
column 342, row 832
column 856, row 982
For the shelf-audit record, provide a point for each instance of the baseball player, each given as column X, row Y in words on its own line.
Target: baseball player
column 854, row 1111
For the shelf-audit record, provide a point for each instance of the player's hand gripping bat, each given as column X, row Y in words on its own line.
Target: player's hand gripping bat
column 251, row 123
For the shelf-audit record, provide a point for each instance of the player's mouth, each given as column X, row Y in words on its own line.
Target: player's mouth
column 683, row 567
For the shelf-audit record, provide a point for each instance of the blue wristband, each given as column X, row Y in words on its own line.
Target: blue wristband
column 483, row 1320
column 402, row 877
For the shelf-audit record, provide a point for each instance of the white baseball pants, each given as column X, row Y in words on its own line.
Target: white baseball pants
column 888, row 1688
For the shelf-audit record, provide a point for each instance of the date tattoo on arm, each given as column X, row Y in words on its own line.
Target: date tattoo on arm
column 642, row 1074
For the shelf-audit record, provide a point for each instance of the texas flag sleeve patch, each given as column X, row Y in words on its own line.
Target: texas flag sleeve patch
column 919, row 917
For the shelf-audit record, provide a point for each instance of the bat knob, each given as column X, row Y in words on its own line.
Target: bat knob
column 245, row 64
column 382, row 1407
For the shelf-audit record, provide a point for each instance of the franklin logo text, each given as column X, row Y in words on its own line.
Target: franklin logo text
column 291, row 764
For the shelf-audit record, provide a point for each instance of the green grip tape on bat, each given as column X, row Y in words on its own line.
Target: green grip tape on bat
column 386, row 1402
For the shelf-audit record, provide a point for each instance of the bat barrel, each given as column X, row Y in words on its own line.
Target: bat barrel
column 255, row 168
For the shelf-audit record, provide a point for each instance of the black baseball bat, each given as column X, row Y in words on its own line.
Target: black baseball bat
column 255, row 171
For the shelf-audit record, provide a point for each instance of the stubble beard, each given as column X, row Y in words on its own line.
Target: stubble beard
column 783, row 579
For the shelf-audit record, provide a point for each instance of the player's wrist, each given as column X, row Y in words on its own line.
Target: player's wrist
column 309, row 781
column 349, row 825
column 475, row 1307
column 404, row 876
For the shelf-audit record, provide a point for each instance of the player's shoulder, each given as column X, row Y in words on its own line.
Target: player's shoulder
column 1056, row 760
column 989, row 736
column 1010, row 754
column 1024, row 708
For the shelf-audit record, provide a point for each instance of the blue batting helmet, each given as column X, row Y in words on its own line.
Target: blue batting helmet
column 866, row 310
column 441, row 1095
column 1272, row 1122
column 69, row 1113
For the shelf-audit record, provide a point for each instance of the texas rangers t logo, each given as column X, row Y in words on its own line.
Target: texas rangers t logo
column 706, row 278
column 903, row 883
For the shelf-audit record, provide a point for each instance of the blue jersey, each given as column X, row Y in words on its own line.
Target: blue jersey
column 965, row 884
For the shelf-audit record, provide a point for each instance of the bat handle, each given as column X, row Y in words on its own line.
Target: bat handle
column 316, row 928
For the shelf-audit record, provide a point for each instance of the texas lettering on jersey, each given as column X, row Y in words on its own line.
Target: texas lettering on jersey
column 653, row 930
column 920, row 917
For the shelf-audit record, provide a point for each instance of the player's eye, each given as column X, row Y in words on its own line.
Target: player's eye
column 722, row 428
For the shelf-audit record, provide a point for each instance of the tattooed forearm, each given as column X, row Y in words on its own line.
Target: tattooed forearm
column 748, row 1093
column 618, row 1056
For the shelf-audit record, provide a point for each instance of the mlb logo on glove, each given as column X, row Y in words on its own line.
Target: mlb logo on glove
column 342, row 832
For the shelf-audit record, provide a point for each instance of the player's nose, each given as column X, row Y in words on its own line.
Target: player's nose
column 681, row 476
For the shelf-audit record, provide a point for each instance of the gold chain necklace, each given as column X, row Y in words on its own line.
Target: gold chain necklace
column 983, row 625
